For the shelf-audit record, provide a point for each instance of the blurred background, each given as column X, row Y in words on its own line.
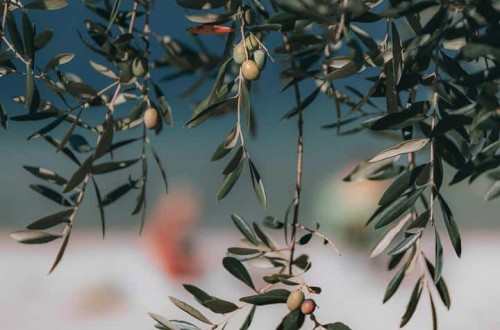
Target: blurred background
column 112, row 283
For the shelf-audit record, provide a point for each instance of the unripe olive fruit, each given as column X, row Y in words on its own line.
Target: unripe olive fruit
column 259, row 56
column 252, row 42
column 308, row 306
column 139, row 66
column 250, row 70
column 151, row 118
column 294, row 300
column 239, row 54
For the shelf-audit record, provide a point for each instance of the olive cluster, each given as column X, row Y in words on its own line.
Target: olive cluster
column 296, row 300
column 252, row 59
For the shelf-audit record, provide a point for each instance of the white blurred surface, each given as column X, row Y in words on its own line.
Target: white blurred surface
column 111, row 284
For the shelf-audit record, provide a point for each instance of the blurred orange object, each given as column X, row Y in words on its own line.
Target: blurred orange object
column 168, row 234
column 210, row 29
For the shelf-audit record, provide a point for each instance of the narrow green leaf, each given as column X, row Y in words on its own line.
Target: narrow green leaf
column 292, row 321
column 440, row 285
column 200, row 295
column 29, row 37
column 163, row 321
column 420, row 223
column 336, row 326
column 105, row 138
column 114, row 14
column 30, row 90
column 3, row 116
column 412, row 305
column 118, row 192
column 112, row 166
column 405, row 244
column 236, row 268
column 258, row 185
column 160, row 167
column 15, row 36
column 101, row 207
column 229, row 181
column 451, row 226
column 397, row 54
column 303, row 104
column 249, row 318
column 46, row 4
column 50, row 194
column 43, row 38
column 233, row 163
column 79, row 175
column 33, row 237
column 220, row 306
column 277, row 296
column 51, row 220
column 386, row 239
column 404, row 147
column 439, row 257
column 388, row 213
column 244, row 228
column 434, row 314
column 394, row 284
column 46, row 174
column 62, row 249
column 190, row 310
column 263, row 236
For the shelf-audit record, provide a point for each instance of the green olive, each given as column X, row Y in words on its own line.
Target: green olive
column 139, row 66
column 239, row 54
column 250, row 70
column 259, row 56
column 252, row 42
column 295, row 300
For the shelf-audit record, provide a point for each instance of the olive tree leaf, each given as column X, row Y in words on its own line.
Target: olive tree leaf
column 46, row 174
column 258, row 185
column 163, row 321
column 52, row 220
column 46, row 4
column 33, row 236
column 236, row 268
column 220, row 306
column 451, row 226
column 229, row 181
column 244, row 228
column 405, row 244
column 276, row 296
column 440, row 285
column 394, row 284
column 412, row 305
column 388, row 213
column 336, row 326
column 386, row 239
column 249, row 319
column 404, row 147
column 439, row 257
column 292, row 321
column 190, row 310
column 50, row 194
